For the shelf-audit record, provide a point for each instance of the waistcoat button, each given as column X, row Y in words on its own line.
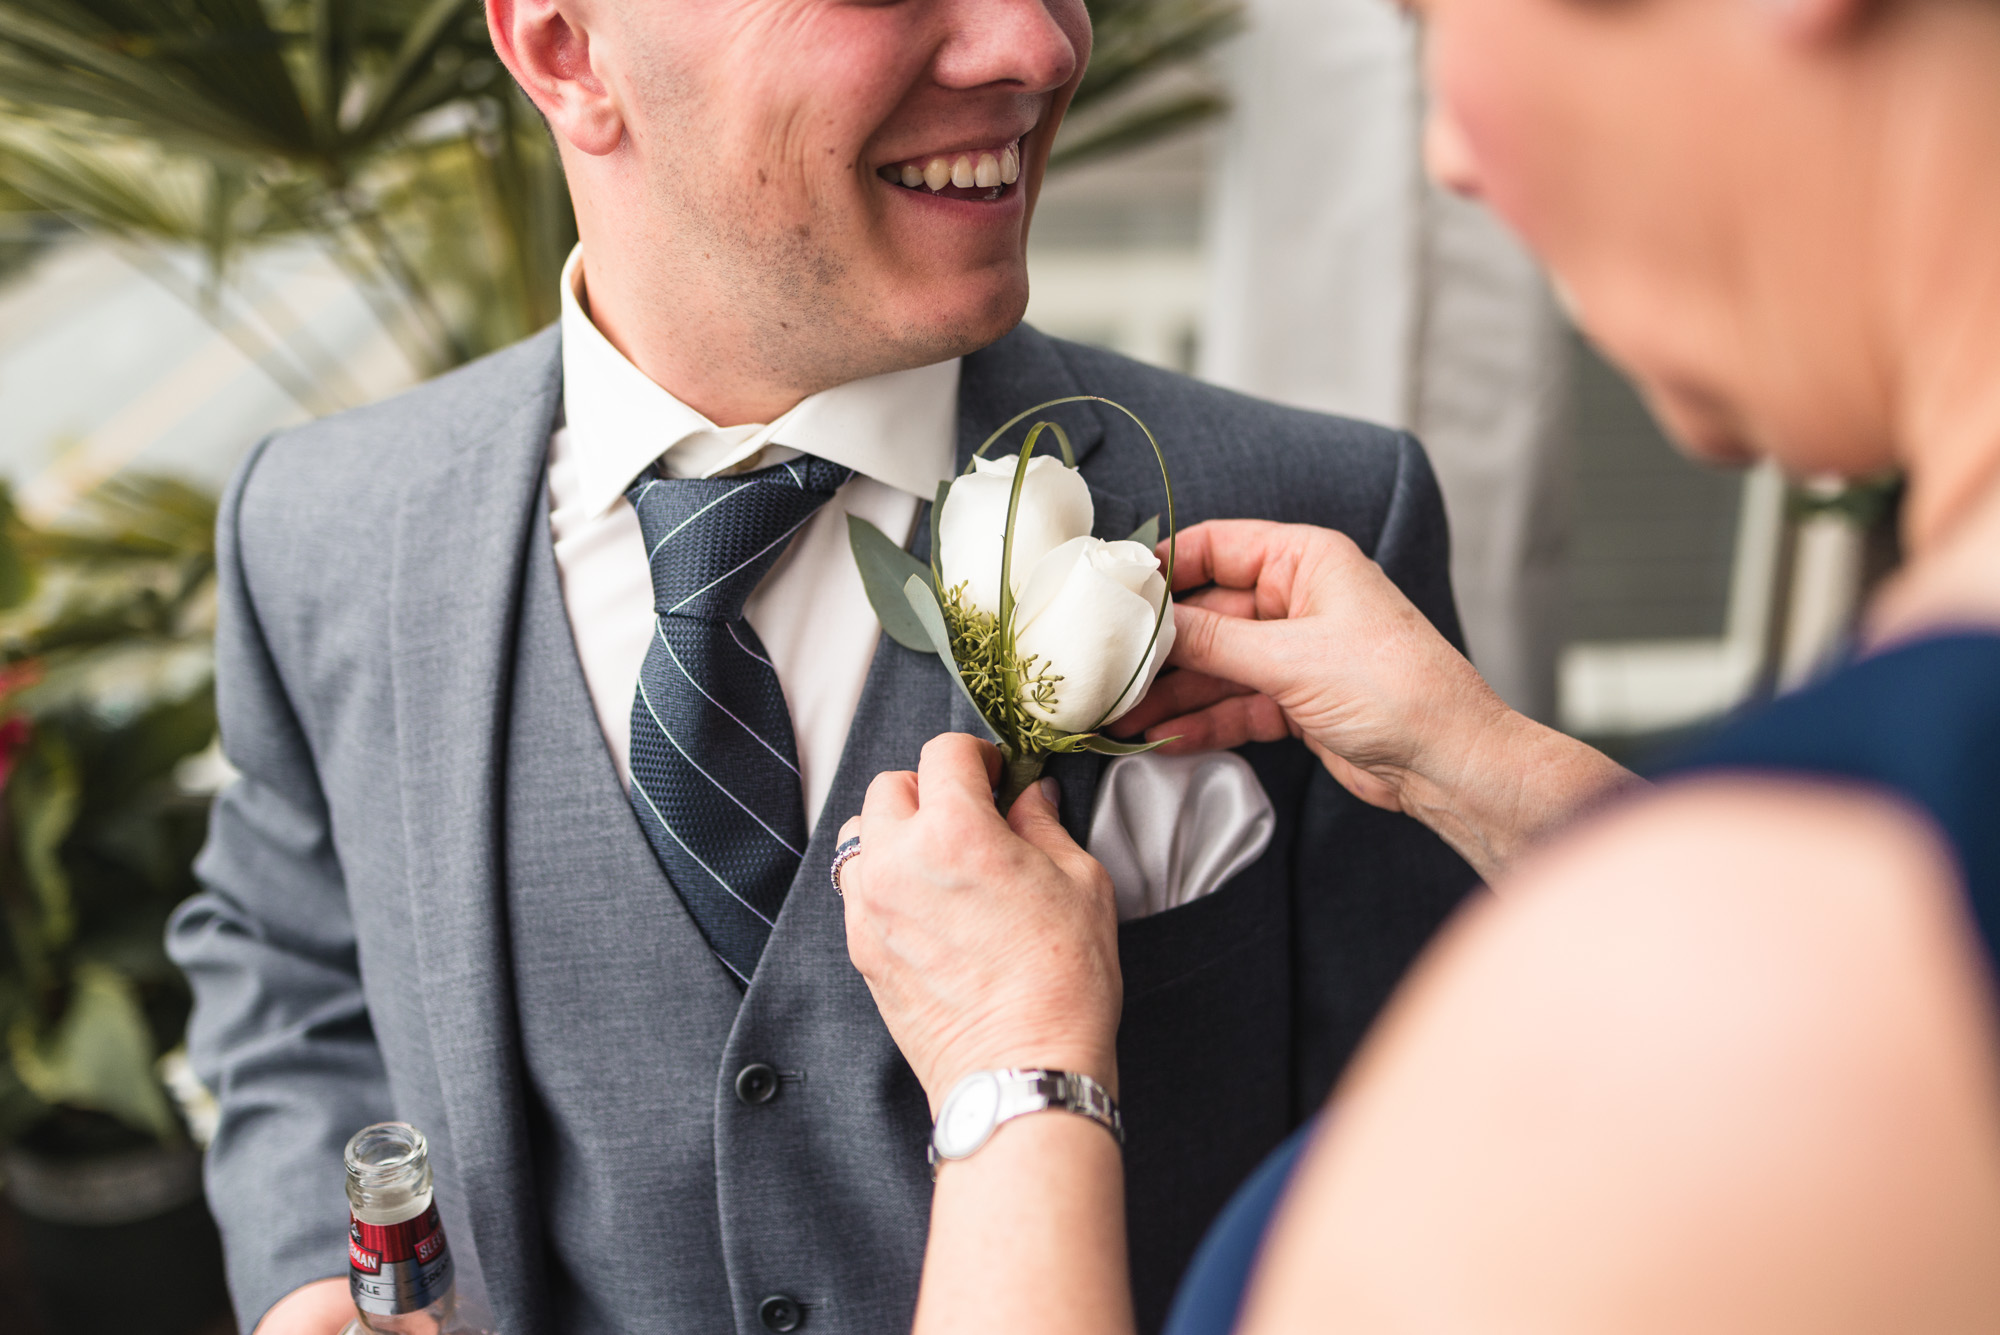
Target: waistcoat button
column 781, row 1313
column 758, row 1083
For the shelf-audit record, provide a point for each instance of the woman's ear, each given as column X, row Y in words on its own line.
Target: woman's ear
column 547, row 48
column 1813, row 21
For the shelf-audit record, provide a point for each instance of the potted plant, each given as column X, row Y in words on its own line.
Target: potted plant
column 106, row 700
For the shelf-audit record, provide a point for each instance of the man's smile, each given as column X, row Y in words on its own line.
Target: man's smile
column 972, row 174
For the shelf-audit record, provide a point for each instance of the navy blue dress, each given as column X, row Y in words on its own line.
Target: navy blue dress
column 1921, row 721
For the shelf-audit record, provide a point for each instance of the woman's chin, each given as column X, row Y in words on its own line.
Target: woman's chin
column 1702, row 426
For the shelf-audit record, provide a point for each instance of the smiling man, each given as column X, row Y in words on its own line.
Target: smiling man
column 550, row 682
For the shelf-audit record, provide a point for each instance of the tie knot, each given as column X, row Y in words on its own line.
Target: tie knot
column 710, row 541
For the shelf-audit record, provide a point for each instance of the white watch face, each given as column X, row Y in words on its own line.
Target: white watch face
column 968, row 1115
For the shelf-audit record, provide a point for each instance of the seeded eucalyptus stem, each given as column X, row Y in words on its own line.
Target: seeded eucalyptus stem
column 1017, row 774
column 997, row 680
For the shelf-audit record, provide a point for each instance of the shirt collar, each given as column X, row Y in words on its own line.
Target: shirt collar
column 899, row 428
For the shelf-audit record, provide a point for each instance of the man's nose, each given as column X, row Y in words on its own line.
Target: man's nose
column 1016, row 42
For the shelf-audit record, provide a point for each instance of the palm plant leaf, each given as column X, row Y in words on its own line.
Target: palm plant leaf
column 265, row 117
column 413, row 83
column 1137, row 39
column 121, row 185
column 208, row 73
column 1148, row 122
column 1137, row 87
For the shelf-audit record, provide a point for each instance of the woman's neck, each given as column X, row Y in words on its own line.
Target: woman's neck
column 1953, row 579
column 1939, row 296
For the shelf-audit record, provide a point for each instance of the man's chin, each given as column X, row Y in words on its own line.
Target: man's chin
column 933, row 338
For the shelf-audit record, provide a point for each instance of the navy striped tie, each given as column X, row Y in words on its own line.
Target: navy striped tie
column 715, row 771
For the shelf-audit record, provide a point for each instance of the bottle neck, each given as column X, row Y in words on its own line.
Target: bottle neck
column 388, row 1173
column 390, row 1213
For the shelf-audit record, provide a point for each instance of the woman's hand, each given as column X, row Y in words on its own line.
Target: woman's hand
column 1302, row 635
column 987, row 942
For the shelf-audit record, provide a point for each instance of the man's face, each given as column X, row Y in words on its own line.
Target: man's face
column 774, row 140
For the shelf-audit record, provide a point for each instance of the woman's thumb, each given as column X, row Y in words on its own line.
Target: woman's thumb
column 1035, row 818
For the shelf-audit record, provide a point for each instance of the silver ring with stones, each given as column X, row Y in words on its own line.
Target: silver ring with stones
column 848, row 850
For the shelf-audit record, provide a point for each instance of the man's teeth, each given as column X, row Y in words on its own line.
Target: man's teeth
column 967, row 171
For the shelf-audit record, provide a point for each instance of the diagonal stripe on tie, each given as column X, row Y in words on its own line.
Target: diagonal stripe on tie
column 715, row 775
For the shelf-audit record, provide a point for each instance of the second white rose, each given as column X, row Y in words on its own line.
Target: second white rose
column 1087, row 610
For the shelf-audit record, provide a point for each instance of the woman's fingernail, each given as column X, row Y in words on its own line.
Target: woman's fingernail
column 1051, row 790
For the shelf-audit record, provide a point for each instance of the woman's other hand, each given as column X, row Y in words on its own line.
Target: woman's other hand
column 1297, row 633
column 987, row 941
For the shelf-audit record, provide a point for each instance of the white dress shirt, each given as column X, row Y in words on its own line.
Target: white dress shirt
column 897, row 432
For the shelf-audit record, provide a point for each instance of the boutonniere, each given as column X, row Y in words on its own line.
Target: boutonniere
column 1051, row 633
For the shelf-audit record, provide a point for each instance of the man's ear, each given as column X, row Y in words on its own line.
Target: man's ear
column 546, row 47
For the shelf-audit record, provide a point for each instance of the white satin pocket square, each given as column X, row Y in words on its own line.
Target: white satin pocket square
column 1170, row 829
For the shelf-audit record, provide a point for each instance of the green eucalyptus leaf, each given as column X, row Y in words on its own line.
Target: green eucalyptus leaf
column 1147, row 534
column 925, row 604
column 1105, row 746
column 98, row 1056
column 937, row 536
column 885, row 568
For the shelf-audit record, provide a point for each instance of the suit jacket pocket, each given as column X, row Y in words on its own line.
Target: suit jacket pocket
column 1204, row 1066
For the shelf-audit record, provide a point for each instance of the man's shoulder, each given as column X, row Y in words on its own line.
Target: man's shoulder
column 355, row 464
column 1233, row 455
column 1277, row 426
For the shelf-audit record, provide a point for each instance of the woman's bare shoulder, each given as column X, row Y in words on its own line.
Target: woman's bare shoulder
column 1723, row 1059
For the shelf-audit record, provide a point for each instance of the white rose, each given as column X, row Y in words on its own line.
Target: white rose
column 1055, row 507
column 1086, row 612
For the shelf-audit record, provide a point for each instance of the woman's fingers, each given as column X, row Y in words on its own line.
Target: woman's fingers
column 1035, row 818
column 958, row 770
column 892, row 795
column 1226, row 724
column 1226, row 647
column 1229, row 552
column 1224, row 602
column 1175, row 694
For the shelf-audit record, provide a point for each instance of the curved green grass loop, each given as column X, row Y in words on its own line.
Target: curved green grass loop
column 1069, row 457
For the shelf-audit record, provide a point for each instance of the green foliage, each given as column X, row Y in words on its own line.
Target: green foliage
column 1001, row 682
column 923, row 601
column 1144, row 82
column 106, row 688
column 385, row 129
column 885, row 569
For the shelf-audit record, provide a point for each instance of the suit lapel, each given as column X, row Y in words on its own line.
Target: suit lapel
column 461, row 537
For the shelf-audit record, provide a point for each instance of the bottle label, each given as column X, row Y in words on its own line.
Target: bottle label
column 394, row 1269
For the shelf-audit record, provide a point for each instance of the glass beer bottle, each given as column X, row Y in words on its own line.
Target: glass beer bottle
column 398, row 1263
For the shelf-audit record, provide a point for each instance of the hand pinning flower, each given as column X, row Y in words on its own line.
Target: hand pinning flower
column 1050, row 632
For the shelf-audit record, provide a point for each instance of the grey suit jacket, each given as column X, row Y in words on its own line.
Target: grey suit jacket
column 425, row 898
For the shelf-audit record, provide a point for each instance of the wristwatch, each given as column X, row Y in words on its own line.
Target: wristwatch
column 979, row 1103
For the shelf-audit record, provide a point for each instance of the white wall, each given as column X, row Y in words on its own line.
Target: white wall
column 1341, row 281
